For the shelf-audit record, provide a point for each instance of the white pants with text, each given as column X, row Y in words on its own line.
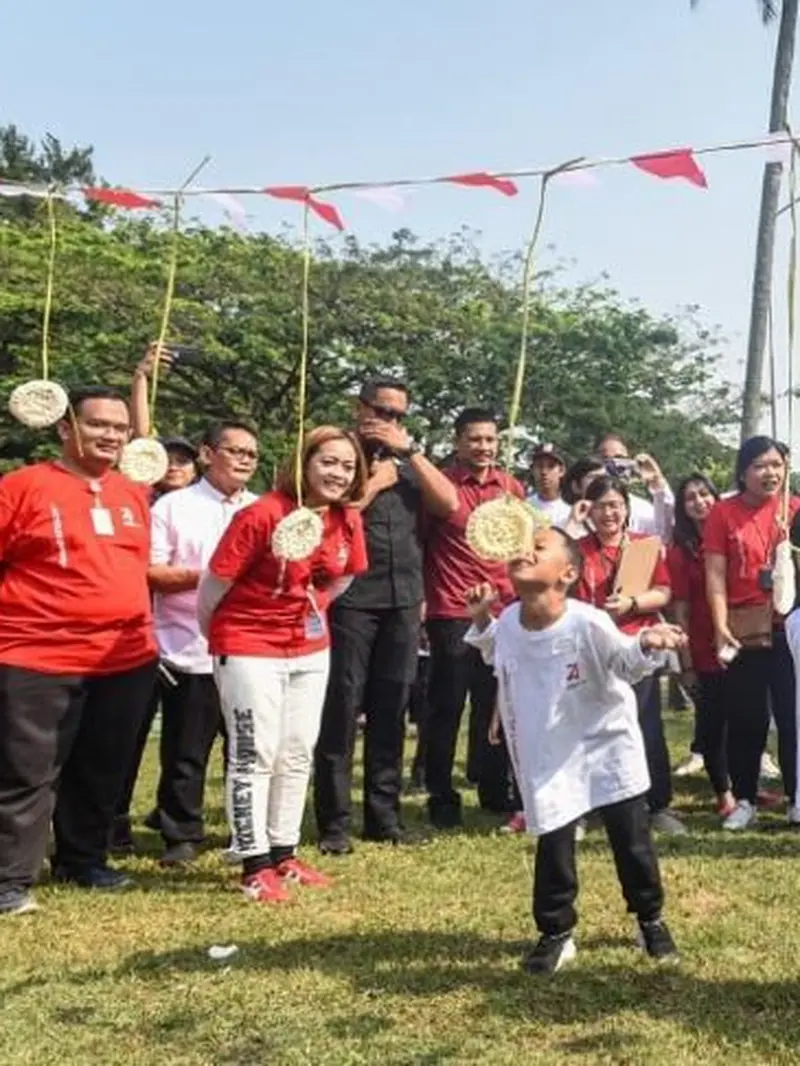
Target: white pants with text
column 272, row 710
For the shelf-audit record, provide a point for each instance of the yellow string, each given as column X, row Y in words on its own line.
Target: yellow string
column 48, row 296
column 303, row 385
column 528, row 277
column 165, row 317
column 791, row 295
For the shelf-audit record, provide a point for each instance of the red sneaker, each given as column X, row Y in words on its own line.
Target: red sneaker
column 725, row 807
column 295, row 871
column 265, row 887
column 767, row 800
column 515, row 824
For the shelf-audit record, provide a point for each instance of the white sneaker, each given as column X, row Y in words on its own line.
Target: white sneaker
column 769, row 768
column 693, row 765
column 743, row 816
column 793, row 815
column 231, row 856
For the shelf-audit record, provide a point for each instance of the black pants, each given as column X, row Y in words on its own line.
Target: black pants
column 648, row 699
column 419, row 712
column 129, row 785
column 373, row 663
column 711, row 732
column 70, row 737
column 191, row 719
column 458, row 672
column 555, row 885
column 757, row 681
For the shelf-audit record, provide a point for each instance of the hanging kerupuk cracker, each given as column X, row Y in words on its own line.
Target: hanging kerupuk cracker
column 299, row 533
column 145, row 459
column 503, row 529
column 41, row 403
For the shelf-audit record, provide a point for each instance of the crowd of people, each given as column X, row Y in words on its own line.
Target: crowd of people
column 117, row 602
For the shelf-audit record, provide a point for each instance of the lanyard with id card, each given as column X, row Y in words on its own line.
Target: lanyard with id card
column 315, row 620
column 102, row 521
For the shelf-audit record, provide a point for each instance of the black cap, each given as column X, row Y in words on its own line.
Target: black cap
column 548, row 451
column 179, row 444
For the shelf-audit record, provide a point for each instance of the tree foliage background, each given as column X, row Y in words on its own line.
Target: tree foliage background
column 438, row 315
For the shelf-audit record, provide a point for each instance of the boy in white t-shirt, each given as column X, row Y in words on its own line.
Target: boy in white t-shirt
column 570, row 721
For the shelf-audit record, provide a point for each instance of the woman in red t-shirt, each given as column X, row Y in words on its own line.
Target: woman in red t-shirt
column 704, row 675
column 266, row 621
column 741, row 537
column 607, row 504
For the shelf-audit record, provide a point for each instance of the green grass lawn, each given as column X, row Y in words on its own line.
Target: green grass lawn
column 412, row 959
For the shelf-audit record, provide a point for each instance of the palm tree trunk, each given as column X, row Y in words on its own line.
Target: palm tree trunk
column 765, row 244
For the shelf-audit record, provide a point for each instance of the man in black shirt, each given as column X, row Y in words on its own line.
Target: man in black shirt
column 375, row 627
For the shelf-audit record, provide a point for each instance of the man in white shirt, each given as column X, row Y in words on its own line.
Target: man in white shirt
column 186, row 526
column 548, row 468
column 653, row 519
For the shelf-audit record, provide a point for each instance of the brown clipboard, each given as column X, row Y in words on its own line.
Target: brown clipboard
column 637, row 566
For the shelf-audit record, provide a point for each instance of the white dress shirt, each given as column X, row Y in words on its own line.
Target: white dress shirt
column 186, row 526
column 569, row 712
column 557, row 510
column 654, row 519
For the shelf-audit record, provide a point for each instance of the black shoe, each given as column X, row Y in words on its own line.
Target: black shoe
column 153, row 820
column 390, row 836
column 416, row 782
column 444, row 812
column 122, row 842
column 336, row 846
column 656, row 939
column 178, row 854
column 100, row 877
column 549, row 954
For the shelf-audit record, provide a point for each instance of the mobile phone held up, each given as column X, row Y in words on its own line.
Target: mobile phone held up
column 624, row 469
column 184, row 355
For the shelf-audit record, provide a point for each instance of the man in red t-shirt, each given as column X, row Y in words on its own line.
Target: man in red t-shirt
column 457, row 670
column 77, row 653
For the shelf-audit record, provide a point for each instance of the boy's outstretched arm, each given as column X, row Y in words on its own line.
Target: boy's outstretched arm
column 634, row 658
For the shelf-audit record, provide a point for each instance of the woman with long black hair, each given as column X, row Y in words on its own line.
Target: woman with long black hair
column 741, row 538
column 703, row 672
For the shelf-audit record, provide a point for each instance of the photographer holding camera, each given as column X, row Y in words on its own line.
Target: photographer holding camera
column 654, row 518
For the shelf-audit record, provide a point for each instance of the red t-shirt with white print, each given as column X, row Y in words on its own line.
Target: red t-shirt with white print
column 274, row 608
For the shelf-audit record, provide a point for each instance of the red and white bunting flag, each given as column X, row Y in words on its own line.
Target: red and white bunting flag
column 676, row 163
column 301, row 194
column 8, row 189
column 483, row 180
column 120, row 198
column 234, row 209
column 579, row 179
column 388, row 199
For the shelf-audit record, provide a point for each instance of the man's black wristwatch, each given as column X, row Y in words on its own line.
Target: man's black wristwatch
column 407, row 453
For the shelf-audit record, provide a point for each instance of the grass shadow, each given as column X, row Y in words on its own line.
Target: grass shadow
column 763, row 1015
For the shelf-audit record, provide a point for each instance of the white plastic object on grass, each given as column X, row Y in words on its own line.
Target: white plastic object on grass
column 144, row 460
column 221, row 952
column 38, row 404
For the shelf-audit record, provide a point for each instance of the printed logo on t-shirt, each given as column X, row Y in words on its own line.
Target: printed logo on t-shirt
column 343, row 554
column 574, row 679
column 128, row 517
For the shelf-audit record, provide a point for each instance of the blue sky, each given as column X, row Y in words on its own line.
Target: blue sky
column 319, row 91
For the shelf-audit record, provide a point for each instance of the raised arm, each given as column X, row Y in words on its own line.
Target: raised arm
column 140, row 388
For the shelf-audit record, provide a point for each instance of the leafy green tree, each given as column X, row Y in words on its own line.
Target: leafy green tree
column 437, row 315
column 46, row 164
